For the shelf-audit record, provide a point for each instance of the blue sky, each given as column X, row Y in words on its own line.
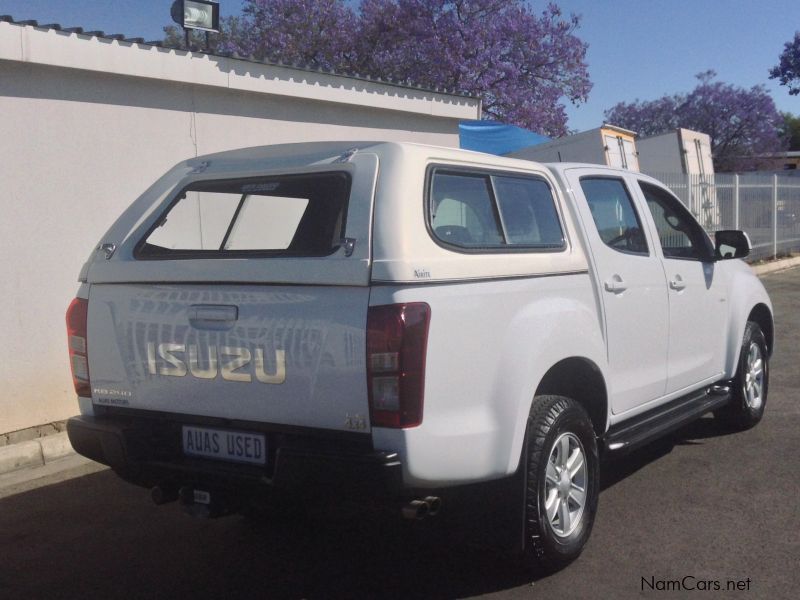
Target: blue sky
column 637, row 48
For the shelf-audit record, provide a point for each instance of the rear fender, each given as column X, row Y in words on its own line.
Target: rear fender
column 576, row 336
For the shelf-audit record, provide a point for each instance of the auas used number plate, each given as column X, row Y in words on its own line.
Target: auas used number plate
column 236, row 446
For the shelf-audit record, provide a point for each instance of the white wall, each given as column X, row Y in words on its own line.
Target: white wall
column 77, row 146
column 584, row 147
column 660, row 153
column 690, row 141
column 675, row 152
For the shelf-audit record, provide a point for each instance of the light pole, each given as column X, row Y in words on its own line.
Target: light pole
column 202, row 15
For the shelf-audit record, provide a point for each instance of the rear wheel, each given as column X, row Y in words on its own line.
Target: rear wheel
column 751, row 384
column 562, row 488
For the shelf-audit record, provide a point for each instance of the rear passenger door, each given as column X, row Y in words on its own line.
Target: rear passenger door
column 631, row 285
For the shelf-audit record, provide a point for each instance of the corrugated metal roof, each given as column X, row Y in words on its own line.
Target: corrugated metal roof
column 252, row 59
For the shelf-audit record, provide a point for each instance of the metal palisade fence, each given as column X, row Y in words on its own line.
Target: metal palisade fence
column 765, row 205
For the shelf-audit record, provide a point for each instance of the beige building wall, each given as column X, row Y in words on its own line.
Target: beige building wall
column 78, row 145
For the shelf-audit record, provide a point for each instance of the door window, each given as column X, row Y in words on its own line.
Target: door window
column 680, row 235
column 614, row 214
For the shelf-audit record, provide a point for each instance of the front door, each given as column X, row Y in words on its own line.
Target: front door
column 697, row 295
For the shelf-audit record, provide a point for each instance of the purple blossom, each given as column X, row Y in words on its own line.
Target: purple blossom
column 742, row 123
column 788, row 69
column 522, row 64
column 316, row 33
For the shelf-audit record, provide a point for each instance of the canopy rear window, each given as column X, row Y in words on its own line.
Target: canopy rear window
column 292, row 215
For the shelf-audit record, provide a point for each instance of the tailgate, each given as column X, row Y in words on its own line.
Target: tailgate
column 291, row 355
column 241, row 294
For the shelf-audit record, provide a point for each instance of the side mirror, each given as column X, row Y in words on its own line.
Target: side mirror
column 731, row 243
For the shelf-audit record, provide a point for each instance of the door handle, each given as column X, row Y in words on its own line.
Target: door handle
column 213, row 316
column 677, row 284
column 616, row 284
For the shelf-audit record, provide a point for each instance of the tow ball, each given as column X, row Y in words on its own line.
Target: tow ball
column 197, row 502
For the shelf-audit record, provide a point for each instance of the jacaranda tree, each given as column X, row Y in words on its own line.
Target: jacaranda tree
column 787, row 72
column 742, row 123
column 523, row 64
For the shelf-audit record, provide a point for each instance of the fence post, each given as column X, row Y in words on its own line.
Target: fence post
column 736, row 201
column 774, row 216
column 689, row 196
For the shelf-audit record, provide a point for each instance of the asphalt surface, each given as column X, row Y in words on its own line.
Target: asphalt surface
column 701, row 505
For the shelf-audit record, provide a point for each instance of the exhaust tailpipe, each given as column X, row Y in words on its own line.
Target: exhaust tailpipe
column 415, row 510
column 434, row 505
column 421, row 508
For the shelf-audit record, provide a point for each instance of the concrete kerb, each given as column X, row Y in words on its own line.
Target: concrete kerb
column 776, row 265
column 44, row 450
column 34, row 453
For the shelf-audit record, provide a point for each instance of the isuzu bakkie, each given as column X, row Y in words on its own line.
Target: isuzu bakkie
column 397, row 322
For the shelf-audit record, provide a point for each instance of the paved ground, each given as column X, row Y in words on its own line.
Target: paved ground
column 700, row 504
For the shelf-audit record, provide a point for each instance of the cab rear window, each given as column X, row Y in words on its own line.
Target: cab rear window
column 493, row 211
column 297, row 215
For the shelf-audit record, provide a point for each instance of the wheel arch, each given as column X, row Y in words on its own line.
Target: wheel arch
column 581, row 380
column 748, row 301
column 762, row 315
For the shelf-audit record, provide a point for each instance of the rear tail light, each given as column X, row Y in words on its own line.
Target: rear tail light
column 76, row 340
column 397, row 338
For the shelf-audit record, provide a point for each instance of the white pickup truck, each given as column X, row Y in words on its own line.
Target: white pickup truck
column 397, row 322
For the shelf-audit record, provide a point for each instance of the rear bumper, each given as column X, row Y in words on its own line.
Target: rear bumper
column 148, row 452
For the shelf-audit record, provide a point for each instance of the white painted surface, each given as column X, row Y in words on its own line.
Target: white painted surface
column 630, row 154
column 49, row 47
column 584, row 147
column 677, row 151
column 660, row 153
column 491, row 340
column 606, row 145
column 723, row 328
column 89, row 124
column 402, row 246
column 490, row 343
column 299, row 351
column 613, row 151
column 697, row 147
column 494, row 317
column 636, row 312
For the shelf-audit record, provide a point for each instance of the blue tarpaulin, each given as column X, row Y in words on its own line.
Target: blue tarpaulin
column 496, row 138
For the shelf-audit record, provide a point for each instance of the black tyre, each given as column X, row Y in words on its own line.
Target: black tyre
column 751, row 383
column 562, row 483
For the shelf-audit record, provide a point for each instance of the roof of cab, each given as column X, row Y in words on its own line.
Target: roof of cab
column 310, row 153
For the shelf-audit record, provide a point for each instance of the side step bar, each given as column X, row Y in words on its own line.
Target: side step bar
column 655, row 423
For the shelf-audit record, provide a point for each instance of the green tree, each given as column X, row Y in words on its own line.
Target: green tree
column 791, row 130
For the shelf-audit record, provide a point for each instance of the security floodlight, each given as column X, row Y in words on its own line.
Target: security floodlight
column 196, row 14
